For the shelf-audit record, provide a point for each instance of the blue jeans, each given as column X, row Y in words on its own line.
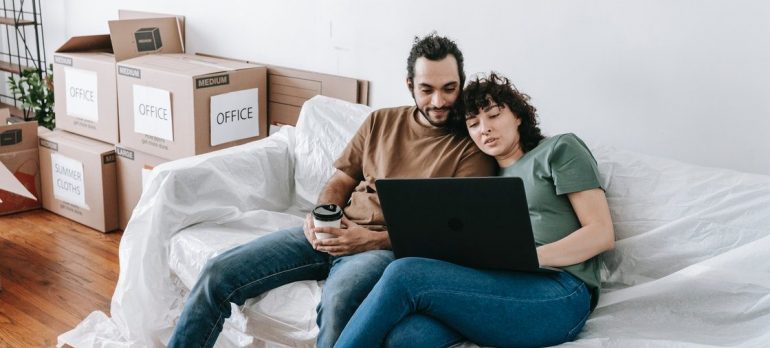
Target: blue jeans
column 428, row 303
column 266, row 263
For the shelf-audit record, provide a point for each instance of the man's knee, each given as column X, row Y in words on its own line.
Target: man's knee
column 358, row 273
column 374, row 261
column 348, row 285
column 334, row 310
column 213, row 278
column 338, row 302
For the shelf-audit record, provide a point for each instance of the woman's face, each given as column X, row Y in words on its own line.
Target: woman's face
column 495, row 130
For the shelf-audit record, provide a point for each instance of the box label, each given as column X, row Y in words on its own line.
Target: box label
column 109, row 158
column 49, row 144
column 62, row 60
column 79, row 122
column 152, row 112
column 125, row 153
column 155, row 142
column 130, row 72
column 148, row 39
column 71, row 208
column 11, row 137
column 82, row 94
column 68, row 182
column 212, row 81
column 234, row 116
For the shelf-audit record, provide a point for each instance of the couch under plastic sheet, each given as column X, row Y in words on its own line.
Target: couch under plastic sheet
column 691, row 267
column 286, row 314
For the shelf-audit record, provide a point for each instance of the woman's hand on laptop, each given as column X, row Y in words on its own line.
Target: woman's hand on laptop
column 351, row 239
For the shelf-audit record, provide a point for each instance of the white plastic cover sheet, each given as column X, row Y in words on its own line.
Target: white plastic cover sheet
column 323, row 130
column 284, row 315
column 691, row 266
column 236, row 189
column 221, row 188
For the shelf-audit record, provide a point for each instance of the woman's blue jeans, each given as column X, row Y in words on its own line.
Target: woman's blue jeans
column 266, row 263
column 428, row 303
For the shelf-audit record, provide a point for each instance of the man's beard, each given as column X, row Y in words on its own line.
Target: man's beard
column 450, row 113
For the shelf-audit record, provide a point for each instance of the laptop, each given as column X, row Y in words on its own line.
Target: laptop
column 475, row 222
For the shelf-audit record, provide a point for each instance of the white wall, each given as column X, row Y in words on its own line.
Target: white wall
column 687, row 79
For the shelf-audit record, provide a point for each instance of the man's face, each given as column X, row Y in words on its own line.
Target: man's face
column 435, row 87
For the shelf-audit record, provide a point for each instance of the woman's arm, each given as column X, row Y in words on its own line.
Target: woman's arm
column 596, row 235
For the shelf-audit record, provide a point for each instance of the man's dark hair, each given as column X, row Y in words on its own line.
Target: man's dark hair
column 483, row 91
column 434, row 47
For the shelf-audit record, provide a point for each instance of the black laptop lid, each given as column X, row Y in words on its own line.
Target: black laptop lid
column 477, row 222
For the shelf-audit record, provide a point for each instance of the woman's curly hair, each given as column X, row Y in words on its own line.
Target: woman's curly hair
column 485, row 90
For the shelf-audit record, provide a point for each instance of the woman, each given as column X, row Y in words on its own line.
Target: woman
column 429, row 303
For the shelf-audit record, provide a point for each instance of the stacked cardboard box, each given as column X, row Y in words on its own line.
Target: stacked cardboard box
column 134, row 168
column 19, row 168
column 176, row 105
column 85, row 88
column 179, row 105
column 137, row 90
column 78, row 179
column 131, row 100
column 78, row 160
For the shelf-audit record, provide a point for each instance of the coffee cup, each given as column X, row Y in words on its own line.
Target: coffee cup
column 326, row 215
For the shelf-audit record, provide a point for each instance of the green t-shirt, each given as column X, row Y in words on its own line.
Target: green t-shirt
column 559, row 165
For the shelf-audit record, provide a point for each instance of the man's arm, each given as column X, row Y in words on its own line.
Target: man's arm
column 351, row 239
column 338, row 189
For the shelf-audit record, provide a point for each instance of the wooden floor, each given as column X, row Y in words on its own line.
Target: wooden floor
column 54, row 272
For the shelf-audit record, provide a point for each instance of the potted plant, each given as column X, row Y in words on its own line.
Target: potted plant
column 35, row 91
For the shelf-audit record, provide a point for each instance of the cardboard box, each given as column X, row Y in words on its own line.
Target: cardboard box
column 179, row 105
column 133, row 169
column 19, row 166
column 288, row 89
column 131, row 14
column 143, row 36
column 85, row 89
column 78, row 178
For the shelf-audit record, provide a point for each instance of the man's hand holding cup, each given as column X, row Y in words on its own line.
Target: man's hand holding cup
column 322, row 216
column 326, row 215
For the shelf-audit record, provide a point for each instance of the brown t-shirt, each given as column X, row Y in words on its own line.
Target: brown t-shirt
column 391, row 143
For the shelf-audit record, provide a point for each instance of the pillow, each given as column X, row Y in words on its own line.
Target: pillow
column 323, row 130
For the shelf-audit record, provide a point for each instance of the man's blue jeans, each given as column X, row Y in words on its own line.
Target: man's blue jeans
column 428, row 303
column 266, row 263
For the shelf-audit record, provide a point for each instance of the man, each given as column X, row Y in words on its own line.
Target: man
column 406, row 141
